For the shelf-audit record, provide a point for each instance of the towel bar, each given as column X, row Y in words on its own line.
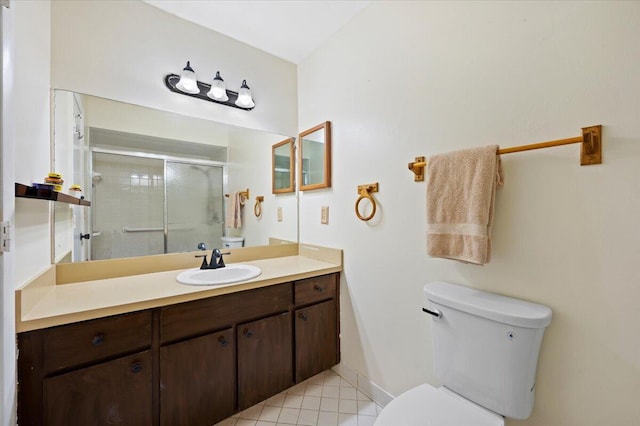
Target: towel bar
column 245, row 194
column 129, row 229
column 590, row 150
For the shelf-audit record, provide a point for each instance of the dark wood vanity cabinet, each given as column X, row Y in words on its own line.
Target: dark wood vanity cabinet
column 316, row 325
column 113, row 392
column 197, row 380
column 193, row 363
column 316, row 339
column 265, row 365
column 95, row 372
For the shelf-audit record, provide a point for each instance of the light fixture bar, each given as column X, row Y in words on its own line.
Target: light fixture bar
column 172, row 80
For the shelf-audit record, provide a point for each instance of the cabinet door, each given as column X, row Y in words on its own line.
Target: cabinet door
column 197, row 380
column 265, row 359
column 114, row 392
column 316, row 339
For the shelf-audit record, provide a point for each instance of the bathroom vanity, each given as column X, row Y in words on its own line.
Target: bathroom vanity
column 193, row 362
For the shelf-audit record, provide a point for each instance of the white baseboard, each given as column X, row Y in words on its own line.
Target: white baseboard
column 363, row 384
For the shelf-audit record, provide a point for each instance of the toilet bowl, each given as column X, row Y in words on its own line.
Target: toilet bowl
column 426, row 405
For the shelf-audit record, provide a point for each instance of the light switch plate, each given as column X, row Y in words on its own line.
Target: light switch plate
column 324, row 215
column 279, row 214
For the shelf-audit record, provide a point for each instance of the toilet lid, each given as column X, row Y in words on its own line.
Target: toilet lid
column 429, row 406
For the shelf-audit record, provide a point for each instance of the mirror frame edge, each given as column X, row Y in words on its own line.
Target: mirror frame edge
column 326, row 183
column 291, row 187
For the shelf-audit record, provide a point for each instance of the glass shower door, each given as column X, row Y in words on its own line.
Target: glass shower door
column 128, row 193
column 194, row 205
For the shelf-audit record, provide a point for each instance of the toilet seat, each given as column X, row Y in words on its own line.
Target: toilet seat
column 429, row 406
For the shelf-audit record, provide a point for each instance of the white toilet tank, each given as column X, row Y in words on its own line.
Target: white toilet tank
column 486, row 346
column 232, row 242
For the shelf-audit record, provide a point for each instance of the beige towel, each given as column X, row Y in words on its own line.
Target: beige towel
column 461, row 190
column 234, row 211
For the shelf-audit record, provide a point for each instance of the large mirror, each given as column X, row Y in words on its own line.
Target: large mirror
column 314, row 163
column 282, row 166
column 160, row 182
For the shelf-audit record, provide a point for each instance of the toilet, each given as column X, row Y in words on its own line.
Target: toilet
column 232, row 242
column 486, row 349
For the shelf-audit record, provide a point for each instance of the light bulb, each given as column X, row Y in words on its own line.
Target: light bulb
column 218, row 90
column 188, row 82
column 244, row 96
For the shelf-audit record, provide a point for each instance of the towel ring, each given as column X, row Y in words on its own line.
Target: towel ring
column 257, row 209
column 365, row 193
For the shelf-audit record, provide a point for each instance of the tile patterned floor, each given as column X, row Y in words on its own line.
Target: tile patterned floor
column 323, row 400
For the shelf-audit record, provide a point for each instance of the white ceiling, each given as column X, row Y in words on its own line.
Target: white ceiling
column 289, row 29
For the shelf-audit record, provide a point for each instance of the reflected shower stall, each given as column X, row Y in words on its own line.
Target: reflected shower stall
column 143, row 204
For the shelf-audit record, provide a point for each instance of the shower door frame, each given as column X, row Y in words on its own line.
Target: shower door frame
column 165, row 159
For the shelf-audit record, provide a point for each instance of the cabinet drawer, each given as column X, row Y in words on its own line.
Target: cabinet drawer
column 206, row 315
column 314, row 289
column 95, row 340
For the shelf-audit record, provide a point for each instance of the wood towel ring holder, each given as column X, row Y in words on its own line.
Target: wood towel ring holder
column 365, row 193
column 257, row 209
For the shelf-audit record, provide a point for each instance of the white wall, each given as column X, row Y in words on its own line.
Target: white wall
column 123, row 49
column 32, row 134
column 25, row 159
column 250, row 167
column 7, row 212
column 405, row 79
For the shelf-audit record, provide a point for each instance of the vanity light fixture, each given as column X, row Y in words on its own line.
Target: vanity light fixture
column 187, row 84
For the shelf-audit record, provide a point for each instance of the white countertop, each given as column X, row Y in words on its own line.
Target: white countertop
column 61, row 304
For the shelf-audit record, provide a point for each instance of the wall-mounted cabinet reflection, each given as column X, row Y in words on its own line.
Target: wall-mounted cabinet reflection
column 315, row 157
column 282, row 165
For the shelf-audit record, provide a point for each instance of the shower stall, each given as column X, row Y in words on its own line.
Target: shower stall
column 144, row 204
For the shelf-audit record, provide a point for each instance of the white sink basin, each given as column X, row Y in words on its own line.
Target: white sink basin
column 233, row 273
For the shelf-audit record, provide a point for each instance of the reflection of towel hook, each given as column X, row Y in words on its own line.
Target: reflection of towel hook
column 365, row 193
column 257, row 209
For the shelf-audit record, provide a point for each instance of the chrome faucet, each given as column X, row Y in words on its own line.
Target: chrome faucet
column 216, row 260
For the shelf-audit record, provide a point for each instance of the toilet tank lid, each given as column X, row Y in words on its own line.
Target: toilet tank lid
column 492, row 306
